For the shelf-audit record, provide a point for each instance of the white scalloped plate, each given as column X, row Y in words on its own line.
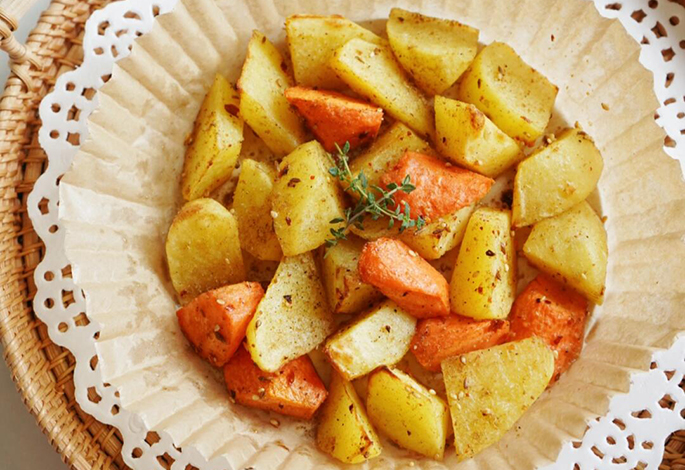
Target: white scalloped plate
column 623, row 440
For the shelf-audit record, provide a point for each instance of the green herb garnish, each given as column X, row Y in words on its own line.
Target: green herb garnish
column 374, row 201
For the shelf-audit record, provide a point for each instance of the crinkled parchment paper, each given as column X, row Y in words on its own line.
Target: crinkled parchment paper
column 117, row 202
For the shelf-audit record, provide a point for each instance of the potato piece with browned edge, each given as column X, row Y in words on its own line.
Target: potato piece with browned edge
column 293, row 317
column 345, row 432
column 572, row 248
column 305, row 199
column 489, row 390
column 468, row 138
column 203, row 249
column 263, row 106
column 406, row 412
column 517, row 98
column 252, row 206
column 434, row 51
column 336, row 119
column 372, row 71
column 556, row 177
column 215, row 322
column 344, row 288
column 313, row 39
column 403, row 276
column 215, row 143
column 483, row 283
column 294, row 390
column 438, row 237
column 380, row 337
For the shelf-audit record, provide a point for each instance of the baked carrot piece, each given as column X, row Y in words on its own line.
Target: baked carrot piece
column 440, row 187
column 215, row 322
column 556, row 314
column 294, row 390
column 436, row 339
column 404, row 277
column 335, row 118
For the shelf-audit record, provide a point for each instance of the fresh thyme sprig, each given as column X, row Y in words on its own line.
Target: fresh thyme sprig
column 373, row 201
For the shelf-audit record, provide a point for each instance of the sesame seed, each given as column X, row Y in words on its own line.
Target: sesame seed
column 217, row 328
column 221, row 301
column 431, row 391
column 466, row 382
column 506, row 268
column 275, row 423
column 487, row 412
column 255, row 397
column 274, row 214
column 462, row 359
column 461, row 396
column 412, row 253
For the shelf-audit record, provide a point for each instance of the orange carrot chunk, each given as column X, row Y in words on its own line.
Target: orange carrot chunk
column 556, row 314
column 215, row 322
column 404, row 277
column 440, row 188
column 294, row 390
column 335, row 118
column 436, row 339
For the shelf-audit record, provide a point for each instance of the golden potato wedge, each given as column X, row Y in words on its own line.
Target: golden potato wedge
column 252, row 206
column 379, row 338
column 406, row 412
column 312, row 40
column 467, row 137
column 344, row 288
column 556, row 177
column 572, row 247
column 372, row 71
column 305, row 199
column 264, row 78
column 489, row 390
column 483, row 283
column 517, row 98
column 440, row 236
column 203, row 249
column 215, row 143
column 293, row 317
column 345, row 432
column 386, row 151
column 434, row 51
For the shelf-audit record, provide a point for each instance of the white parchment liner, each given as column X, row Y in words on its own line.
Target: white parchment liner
column 117, row 201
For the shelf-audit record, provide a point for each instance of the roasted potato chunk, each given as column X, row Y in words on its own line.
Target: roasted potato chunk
column 440, row 236
column 336, row 119
column 305, row 199
column 263, row 106
column 293, row 317
column 556, row 178
column 203, row 249
column 405, row 277
column 215, row 143
column 572, row 248
column 483, row 283
column 468, row 138
column 434, row 51
column 372, row 71
column 294, row 390
column 312, row 40
column 405, row 411
column 344, row 288
column 489, row 390
column 380, row 337
column 252, row 206
column 517, row 98
column 385, row 152
column 215, row 322
column 345, row 432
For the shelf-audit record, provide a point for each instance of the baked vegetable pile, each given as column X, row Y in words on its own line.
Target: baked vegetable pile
column 359, row 224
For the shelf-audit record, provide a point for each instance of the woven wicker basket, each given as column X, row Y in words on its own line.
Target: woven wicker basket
column 42, row 370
